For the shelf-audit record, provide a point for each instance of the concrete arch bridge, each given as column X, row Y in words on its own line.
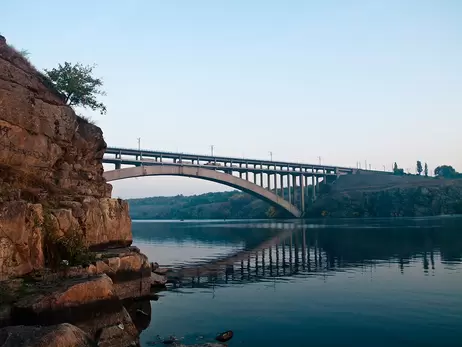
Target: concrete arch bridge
column 278, row 183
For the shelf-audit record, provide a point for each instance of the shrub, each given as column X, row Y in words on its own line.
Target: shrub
column 69, row 247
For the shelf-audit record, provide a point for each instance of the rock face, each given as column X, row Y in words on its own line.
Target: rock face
column 50, row 172
column 129, row 270
column 71, row 293
column 62, row 335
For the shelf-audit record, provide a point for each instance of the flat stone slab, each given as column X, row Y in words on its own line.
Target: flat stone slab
column 62, row 335
column 69, row 293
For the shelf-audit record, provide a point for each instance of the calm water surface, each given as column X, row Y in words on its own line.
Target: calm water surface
column 309, row 283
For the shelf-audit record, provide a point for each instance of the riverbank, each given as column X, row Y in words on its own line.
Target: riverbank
column 360, row 195
column 97, row 298
column 376, row 195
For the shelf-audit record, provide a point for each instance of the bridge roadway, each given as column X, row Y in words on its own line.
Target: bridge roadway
column 282, row 184
column 244, row 164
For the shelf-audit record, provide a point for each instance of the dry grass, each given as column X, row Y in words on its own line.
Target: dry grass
column 19, row 58
column 86, row 119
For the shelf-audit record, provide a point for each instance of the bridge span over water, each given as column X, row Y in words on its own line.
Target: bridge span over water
column 282, row 184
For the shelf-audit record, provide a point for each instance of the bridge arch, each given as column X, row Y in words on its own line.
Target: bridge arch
column 205, row 174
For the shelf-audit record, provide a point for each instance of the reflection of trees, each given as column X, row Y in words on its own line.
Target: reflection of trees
column 306, row 251
column 213, row 233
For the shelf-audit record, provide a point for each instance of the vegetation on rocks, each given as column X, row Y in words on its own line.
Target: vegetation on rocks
column 64, row 250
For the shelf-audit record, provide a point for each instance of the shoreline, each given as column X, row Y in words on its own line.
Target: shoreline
column 102, row 300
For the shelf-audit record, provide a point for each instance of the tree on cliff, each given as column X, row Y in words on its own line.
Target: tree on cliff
column 397, row 171
column 426, row 170
column 419, row 168
column 446, row 171
column 77, row 84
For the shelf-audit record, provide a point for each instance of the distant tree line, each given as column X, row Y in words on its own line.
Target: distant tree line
column 443, row 171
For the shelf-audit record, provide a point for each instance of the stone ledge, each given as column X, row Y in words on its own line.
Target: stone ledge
column 62, row 335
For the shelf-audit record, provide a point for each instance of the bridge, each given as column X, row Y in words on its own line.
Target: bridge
column 281, row 184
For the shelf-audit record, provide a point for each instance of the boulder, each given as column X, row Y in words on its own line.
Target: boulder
column 154, row 266
column 129, row 270
column 111, row 329
column 73, row 293
column 140, row 313
column 161, row 271
column 158, row 280
column 62, row 335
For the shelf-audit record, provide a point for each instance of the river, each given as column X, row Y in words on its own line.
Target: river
column 371, row 282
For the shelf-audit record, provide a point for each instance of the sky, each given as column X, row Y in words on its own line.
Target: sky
column 345, row 80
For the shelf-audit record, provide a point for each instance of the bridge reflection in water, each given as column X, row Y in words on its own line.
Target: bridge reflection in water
column 275, row 252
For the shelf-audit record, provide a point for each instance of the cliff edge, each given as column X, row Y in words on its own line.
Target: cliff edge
column 51, row 182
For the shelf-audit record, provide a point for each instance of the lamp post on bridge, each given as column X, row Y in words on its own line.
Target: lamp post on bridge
column 211, row 149
column 139, row 143
column 271, row 155
column 319, row 160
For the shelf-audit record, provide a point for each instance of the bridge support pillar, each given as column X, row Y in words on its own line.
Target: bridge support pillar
column 268, row 178
column 302, row 193
column 289, row 188
column 294, row 180
column 117, row 166
column 313, row 180
column 281, row 177
column 276, row 184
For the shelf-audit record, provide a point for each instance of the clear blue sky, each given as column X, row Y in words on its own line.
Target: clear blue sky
column 375, row 80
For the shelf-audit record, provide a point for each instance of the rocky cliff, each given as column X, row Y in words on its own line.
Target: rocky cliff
column 51, row 183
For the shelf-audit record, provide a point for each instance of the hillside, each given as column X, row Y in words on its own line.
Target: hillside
column 229, row 205
column 378, row 195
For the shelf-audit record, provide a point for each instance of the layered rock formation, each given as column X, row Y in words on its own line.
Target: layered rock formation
column 65, row 254
column 50, row 172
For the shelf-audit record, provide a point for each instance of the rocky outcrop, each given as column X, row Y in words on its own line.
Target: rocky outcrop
column 51, row 170
column 62, row 335
column 68, row 294
column 129, row 270
column 64, row 242
column 89, row 303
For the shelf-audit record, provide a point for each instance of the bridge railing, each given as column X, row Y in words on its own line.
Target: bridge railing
column 147, row 151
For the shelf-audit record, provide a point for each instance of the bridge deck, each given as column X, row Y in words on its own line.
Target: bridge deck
column 220, row 159
column 215, row 167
